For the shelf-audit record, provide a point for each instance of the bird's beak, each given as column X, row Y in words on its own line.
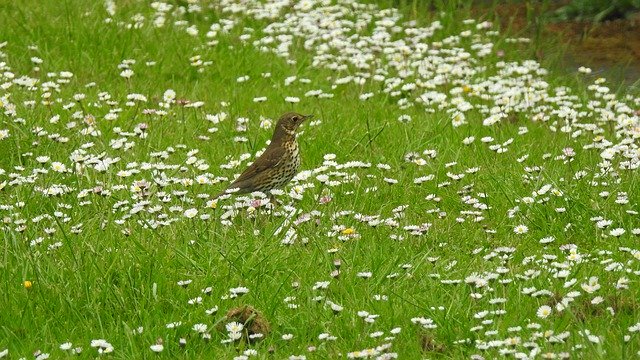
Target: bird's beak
column 307, row 116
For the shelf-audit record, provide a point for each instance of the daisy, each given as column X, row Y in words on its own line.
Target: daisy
column 544, row 311
column 520, row 229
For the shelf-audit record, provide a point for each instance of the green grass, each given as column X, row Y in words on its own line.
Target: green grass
column 120, row 273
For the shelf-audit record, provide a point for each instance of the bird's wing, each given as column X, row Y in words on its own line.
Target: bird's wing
column 271, row 157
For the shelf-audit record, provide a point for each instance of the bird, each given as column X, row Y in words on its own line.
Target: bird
column 277, row 165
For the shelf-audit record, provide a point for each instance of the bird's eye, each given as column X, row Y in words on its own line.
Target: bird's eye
column 295, row 119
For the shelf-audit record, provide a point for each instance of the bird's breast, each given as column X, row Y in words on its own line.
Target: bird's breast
column 294, row 153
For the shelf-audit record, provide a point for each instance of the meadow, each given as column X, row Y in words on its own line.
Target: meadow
column 456, row 200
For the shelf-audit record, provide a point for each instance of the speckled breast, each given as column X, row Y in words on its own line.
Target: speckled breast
column 280, row 175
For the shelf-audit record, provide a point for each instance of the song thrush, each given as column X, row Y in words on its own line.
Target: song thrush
column 278, row 164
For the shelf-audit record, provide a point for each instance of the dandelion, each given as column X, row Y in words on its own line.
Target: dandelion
column 27, row 284
column 348, row 231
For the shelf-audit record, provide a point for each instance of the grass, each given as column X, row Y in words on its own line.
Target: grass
column 99, row 269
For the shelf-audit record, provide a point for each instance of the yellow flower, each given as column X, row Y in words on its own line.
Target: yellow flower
column 27, row 284
column 466, row 89
column 348, row 231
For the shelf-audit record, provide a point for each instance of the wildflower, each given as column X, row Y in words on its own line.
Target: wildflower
column 348, row 231
column 102, row 345
column 404, row 119
column 200, row 328
column 547, row 240
column 617, row 232
column 424, row 322
column 184, row 283
column 597, row 300
column 321, row 285
column 169, row 96
column 520, row 229
column 191, row 213
column 126, row 73
column 212, row 311
column 27, row 284
column 584, row 70
column 234, row 327
column 156, row 348
column 196, row 300
column 58, row 167
column 335, row 307
column 544, row 311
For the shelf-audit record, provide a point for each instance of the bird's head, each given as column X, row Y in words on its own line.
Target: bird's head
column 289, row 122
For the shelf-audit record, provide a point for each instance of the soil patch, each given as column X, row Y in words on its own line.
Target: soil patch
column 610, row 48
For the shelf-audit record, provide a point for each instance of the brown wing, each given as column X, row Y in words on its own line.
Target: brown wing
column 271, row 157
